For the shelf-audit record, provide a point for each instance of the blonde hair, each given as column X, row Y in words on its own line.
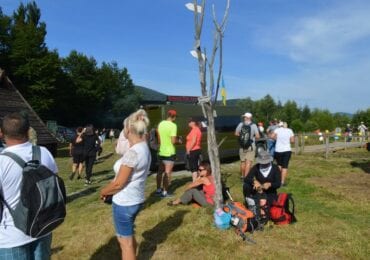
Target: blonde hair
column 137, row 122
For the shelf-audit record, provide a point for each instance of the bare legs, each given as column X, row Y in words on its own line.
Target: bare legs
column 128, row 247
column 164, row 180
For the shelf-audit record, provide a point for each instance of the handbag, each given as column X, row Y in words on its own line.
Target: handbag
column 108, row 199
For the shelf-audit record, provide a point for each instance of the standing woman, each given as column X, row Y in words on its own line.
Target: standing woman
column 284, row 136
column 128, row 185
column 90, row 140
column 193, row 147
column 76, row 150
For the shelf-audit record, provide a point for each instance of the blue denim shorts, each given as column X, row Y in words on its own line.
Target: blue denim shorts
column 124, row 218
column 38, row 249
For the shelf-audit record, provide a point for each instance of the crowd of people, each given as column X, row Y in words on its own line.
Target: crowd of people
column 261, row 176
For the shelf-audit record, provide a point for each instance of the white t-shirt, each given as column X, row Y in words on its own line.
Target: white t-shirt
column 283, row 139
column 138, row 158
column 10, row 185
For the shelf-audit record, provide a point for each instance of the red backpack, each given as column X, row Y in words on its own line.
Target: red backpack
column 280, row 212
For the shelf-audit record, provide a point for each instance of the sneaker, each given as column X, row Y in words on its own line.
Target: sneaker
column 158, row 192
column 166, row 195
column 87, row 182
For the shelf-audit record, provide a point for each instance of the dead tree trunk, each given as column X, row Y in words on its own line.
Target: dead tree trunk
column 206, row 100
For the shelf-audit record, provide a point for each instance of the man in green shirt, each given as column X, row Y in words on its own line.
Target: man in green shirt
column 167, row 131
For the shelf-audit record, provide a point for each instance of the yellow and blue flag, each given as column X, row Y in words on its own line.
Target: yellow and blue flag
column 223, row 92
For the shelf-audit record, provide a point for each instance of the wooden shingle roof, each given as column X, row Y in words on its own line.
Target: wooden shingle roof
column 11, row 100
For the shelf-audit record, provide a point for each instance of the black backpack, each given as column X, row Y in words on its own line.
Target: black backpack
column 41, row 207
column 245, row 136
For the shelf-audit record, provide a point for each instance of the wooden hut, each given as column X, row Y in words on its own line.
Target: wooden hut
column 11, row 100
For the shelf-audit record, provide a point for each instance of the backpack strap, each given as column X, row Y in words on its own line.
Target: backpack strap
column 36, row 153
column 294, row 219
column 15, row 158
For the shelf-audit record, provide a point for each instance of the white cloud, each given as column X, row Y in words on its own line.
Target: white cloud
column 341, row 89
column 328, row 36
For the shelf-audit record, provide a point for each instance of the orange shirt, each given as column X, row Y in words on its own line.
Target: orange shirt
column 195, row 132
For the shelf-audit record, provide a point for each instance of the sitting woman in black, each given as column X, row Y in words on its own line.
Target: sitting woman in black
column 261, row 184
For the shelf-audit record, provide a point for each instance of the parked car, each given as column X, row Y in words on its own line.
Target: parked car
column 65, row 134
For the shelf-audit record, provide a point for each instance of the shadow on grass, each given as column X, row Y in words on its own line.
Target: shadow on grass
column 104, row 172
column 57, row 249
column 176, row 183
column 363, row 165
column 159, row 233
column 109, row 251
column 80, row 194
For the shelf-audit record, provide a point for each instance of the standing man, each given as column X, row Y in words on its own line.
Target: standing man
column 14, row 244
column 247, row 133
column 284, row 137
column 167, row 132
column 362, row 129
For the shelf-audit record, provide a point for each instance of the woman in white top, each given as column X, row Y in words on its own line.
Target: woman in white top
column 128, row 186
column 284, row 136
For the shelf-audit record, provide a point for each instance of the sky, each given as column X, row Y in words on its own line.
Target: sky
column 315, row 52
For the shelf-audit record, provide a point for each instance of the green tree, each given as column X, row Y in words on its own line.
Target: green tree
column 297, row 125
column 83, row 99
column 5, row 26
column 324, row 119
column 290, row 112
column 246, row 104
column 305, row 114
column 341, row 120
column 310, row 126
column 361, row 116
column 265, row 108
column 32, row 67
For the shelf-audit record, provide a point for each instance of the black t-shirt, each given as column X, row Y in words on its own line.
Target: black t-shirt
column 90, row 144
column 77, row 148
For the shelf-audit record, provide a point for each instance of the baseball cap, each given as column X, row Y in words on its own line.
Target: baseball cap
column 171, row 112
column 249, row 115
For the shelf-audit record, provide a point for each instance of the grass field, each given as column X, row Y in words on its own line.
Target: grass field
column 332, row 208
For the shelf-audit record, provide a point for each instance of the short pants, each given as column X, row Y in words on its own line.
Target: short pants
column 168, row 159
column 124, row 218
column 282, row 159
column 248, row 154
column 194, row 160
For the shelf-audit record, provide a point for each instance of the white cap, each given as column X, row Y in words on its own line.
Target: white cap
column 249, row 115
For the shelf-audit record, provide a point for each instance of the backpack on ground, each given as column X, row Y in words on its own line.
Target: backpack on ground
column 280, row 212
column 245, row 136
column 41, row 207
column 241, row 218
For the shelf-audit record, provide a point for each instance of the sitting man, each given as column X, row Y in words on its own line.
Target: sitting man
column 261, row 184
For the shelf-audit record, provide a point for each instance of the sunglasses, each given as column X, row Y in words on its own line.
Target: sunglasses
column 201, row 169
